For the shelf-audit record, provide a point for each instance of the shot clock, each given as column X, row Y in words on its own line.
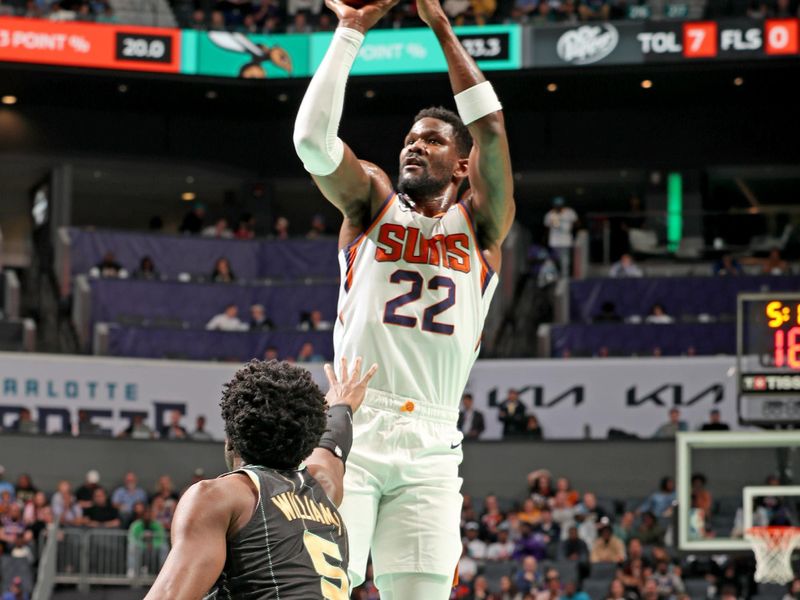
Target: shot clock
column 768, row 358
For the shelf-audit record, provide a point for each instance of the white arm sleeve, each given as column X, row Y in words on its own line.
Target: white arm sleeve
column 316, row 127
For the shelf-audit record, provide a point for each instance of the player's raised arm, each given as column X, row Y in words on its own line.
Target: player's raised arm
column 343, row 179
column 490, row 175
column 326, row 463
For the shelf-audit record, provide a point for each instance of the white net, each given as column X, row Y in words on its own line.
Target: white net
column 773, row 547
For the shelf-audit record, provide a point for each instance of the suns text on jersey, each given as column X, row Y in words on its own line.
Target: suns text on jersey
column 397, row 242
column 293, row 506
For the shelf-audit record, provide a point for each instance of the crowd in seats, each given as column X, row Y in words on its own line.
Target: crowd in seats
column 99, row 11
column 559, row 544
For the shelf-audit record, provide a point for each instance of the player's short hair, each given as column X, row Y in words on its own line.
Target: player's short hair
column 274, row 414
column 462, row 136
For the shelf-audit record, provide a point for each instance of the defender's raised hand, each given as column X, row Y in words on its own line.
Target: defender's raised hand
column 431, row 12
column 351, row 390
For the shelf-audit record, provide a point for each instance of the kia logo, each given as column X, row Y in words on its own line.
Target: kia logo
column 587, row 44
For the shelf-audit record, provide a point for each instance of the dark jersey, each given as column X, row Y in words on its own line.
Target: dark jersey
column 293, row 548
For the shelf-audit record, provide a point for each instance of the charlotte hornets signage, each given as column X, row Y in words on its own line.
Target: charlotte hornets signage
column 571, row 398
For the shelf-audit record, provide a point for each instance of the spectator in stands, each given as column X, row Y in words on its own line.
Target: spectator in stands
column 502, row 548
column 193, row 220
column 223, row 273
column 624, row 530
column 281, row 228
column 101, row 514
column 85, row 493
column 218, row 230
column 574, row 548
column 524, row 10
column 671, row 427
column 548, row 527
column 480, row 589
column 660, row 502
column 66, row 509
column 608, row 314
column 540, row 486
column 227, row 320
column 528, row 577
column 25, row 423
column 728, row 265
column 616, row 591
column 470, row 421
column 793, row 589
column 533, row 429
column 475, row 546
column 625, row 267
column 127, row 495
column 467, row 566
column 492, row 516
column 11, row 524
column 571, row 592
column 307, row 354
column 108, row 267
column 607, row 547
column 318, row 228
column 593, row 10
column 701, row 497
column 200, row 434
column 531, row 543
column 650, row 590
column 774, row 264
column 198, row 21
column 6, row 500
column 530, row 513
column 561, row 220
column 508, row 590
column 658, row 316
column 246, row 227
column 25, row 490
column 259, row 319
column 668, row 580
column 483, row 10
column 512, row 415
column 552, row 582
column 563, row 512
column 15, row 590
column 563, row 485
column 146, row 539
column 313, row 321
column 217, row 22
column 457, row 10
column 271, row 353
column 174, row 430
column 715, row 422
column 6, row 486
column 649, row 531
column 138, row 429
column 86, row 427
column 146, row 270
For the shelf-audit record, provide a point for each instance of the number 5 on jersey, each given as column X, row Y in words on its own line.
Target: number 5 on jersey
column 429, row 322
column 318, row 548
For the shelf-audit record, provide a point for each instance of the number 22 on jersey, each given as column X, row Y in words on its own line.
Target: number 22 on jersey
column 429, row 322
column 318, row 548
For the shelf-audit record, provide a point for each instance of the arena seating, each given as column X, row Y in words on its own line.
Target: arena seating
column 198, row 344
column 680, row 296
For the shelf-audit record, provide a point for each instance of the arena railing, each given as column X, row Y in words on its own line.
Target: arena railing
column 46, row 574
column 87, row 557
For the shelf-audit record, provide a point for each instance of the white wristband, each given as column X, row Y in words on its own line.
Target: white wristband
column 476, row 102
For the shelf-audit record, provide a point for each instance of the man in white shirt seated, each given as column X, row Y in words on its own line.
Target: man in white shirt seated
column 228, row 320
column 625, row 267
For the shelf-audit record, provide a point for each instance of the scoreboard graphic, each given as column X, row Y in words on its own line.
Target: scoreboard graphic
column 768, row 358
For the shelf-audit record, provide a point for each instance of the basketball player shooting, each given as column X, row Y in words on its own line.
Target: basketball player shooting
column 269, row 529
column 418, row 268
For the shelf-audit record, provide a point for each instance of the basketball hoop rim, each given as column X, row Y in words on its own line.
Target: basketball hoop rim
column 769, row 531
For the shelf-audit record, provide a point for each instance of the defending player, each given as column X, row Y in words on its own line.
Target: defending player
column 418, row 270
column 270, row 528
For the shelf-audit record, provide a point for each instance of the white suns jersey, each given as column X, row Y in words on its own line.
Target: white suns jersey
column 414, row 295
